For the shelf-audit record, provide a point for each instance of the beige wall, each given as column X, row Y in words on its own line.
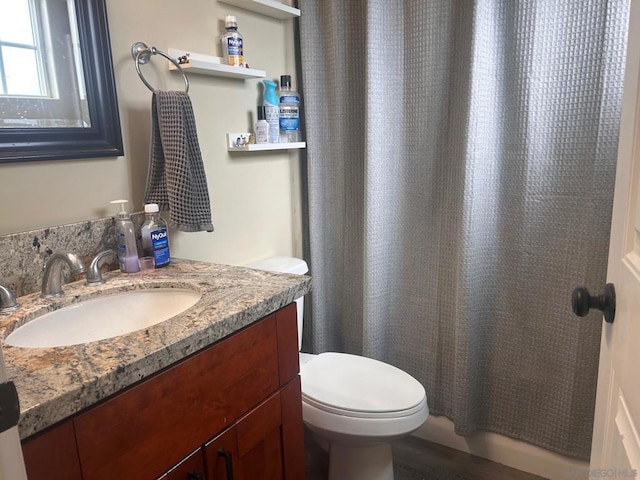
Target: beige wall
column 253, row 196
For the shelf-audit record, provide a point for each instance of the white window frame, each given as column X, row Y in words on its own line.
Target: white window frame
column 39, row 47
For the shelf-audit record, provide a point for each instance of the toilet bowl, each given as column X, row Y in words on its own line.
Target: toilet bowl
column 356, row 406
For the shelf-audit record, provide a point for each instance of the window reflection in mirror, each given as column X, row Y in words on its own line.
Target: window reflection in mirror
column 41, row 74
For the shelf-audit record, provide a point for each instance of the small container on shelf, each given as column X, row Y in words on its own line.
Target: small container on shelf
column 262, row 126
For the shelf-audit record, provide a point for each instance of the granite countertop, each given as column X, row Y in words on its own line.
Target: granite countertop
column 54, row 383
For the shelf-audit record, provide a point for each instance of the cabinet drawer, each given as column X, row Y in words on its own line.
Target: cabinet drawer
column 52, row 455
column 142, row 432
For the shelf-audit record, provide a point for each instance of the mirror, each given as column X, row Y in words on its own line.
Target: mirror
column 57, row 89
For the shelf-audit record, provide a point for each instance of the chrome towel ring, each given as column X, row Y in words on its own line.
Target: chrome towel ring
column 142, row 54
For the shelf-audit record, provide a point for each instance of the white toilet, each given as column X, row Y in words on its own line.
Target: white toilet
column 355, row 405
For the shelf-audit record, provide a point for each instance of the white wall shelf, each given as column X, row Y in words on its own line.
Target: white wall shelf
column 259, row 147
column 210, row 65
column 271, row 8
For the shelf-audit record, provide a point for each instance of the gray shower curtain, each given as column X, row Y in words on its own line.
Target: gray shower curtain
column 461, row 160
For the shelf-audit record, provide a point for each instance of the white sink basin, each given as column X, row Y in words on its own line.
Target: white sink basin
column 103, row 317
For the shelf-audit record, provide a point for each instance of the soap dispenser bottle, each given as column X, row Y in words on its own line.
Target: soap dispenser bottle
column 126, row 240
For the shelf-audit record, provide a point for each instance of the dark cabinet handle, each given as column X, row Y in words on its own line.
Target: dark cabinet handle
column 195, row 476
column 228, row 462
column 582, row 302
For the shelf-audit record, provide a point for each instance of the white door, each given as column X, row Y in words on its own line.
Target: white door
column 615, row 450
column 11, row 462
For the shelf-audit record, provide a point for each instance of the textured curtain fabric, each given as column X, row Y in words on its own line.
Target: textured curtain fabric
column 461, row 162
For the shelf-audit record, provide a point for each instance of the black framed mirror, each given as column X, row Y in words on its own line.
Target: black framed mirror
column 59, row 101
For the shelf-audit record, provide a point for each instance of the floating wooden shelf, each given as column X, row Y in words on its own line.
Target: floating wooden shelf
column 259, row 147
column 271, row 8
column 210, row 65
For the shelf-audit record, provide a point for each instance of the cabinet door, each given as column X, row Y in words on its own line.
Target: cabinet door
column 260, row 442
column 53, row 455
column 292, row 431
column 221, row 456
column 265, row 444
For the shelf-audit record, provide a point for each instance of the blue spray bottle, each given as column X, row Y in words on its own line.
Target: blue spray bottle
column 271, row 110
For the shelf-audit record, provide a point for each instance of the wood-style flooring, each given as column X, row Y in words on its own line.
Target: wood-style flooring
column 417, row 459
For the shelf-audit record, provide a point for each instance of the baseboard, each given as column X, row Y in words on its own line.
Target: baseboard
column 507, row 451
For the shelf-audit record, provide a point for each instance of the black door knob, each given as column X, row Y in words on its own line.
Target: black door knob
column 582, row 302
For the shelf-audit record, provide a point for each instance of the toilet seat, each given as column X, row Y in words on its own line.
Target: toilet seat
column 354, row 400
column 360, row 387
column 369, row 415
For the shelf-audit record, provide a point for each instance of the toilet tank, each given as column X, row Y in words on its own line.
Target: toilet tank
column 286, row 265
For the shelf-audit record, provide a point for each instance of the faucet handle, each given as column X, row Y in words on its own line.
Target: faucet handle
column 94, row 275
column 8, row 301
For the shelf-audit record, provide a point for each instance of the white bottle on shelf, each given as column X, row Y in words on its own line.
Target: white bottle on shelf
column 262, row 126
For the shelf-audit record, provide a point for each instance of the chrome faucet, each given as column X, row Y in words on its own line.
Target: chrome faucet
column 7, row 300
column 53, row 277
column 94, row 276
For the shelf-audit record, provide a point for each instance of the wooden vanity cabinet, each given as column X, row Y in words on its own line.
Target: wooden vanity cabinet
column 240, row 395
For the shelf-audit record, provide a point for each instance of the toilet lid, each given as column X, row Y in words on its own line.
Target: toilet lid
column 352, row 383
